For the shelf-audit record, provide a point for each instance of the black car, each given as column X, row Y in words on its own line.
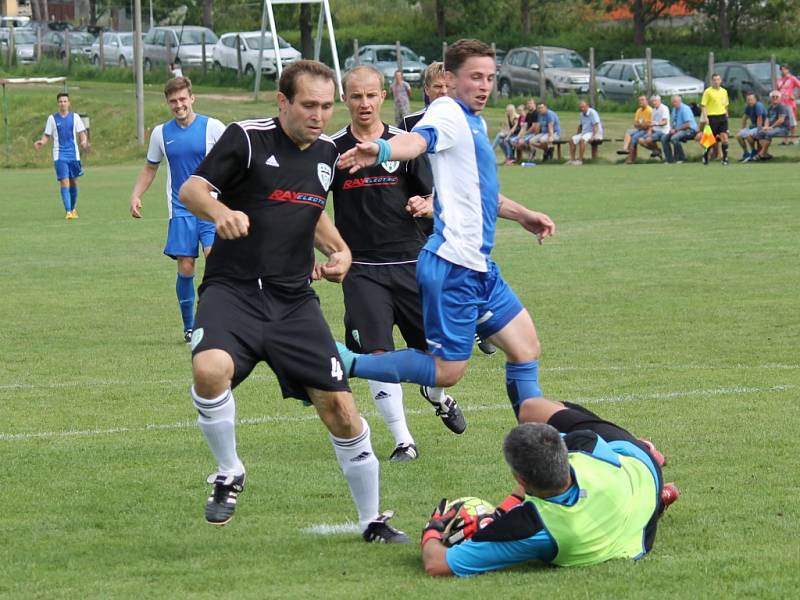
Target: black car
column 741, row 78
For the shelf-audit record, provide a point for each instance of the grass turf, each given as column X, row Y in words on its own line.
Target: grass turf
column 666, row 301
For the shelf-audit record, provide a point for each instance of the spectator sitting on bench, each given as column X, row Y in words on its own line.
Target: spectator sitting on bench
column 502, row 137
column 755, row 111
column 516, row 133
column 531, row 129
column 590, row 130
column 549, row 131
column 683, row 129
column 642, row 120
column 777, row 125
column 660, row 127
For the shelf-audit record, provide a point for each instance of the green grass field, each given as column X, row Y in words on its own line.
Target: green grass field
column 666, row 301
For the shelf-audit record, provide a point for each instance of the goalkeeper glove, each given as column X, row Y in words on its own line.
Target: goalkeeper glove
column 440, row 519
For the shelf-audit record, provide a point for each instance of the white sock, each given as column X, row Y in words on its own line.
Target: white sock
column 389, row 401
column 361, row 470
column 217, row 421
column 436, row 396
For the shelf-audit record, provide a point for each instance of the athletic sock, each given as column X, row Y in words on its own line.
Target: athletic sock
column 217, row 421
column 184, row 289
column 393, row 367
column 65, row 198
column 724, row 151
column 362, row 472
column 436, row 395
column 522, row 382
column 73, row 197
column 388, row 399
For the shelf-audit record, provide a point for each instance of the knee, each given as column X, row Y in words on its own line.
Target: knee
column 538, row 410
column 449, row 373
column 186, row 266
column 526, row 352
column 339, row 413
column 212, row 371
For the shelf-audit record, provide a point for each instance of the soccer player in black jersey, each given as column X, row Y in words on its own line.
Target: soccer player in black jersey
column 272, row 178
column 374, row 215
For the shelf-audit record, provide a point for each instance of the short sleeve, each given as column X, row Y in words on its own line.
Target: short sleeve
column 704, row 99
column 595, row 118
column 155, row 151
column 446, row 119
column 215, row 130
column 50, row 126
column 79, row 125
column 228, row 160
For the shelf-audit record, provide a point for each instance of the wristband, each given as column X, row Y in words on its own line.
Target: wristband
column 384, row 151
column 430, row 534
column 509, row 503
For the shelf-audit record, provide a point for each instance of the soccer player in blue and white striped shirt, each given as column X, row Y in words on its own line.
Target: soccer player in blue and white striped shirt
column 67, row 130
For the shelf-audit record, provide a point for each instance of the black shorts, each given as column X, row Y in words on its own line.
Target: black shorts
column 718, row 124
column 376, row 297
column 285, row 330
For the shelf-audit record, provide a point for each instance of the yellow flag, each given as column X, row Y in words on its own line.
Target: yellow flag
column 708, row 138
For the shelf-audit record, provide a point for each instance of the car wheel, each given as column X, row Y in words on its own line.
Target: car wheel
column 148, row 66
column 96, row 60
column 217, row 66
column 122, row 62
column 249, row 70
column 551, row 90
column 504, row 88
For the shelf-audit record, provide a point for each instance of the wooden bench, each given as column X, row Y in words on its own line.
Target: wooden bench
column 594, row 145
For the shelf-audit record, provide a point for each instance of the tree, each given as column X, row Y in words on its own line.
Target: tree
column 644, row 12
column 731, row 20
column 441, row 30
column 208, row 13
column 525, row 16
column 306, row 43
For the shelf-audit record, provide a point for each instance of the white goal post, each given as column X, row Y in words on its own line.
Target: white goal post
column 324, row 18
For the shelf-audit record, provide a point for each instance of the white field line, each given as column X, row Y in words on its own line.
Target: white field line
column 699, row 393
column 333, row 528
column 478, row 368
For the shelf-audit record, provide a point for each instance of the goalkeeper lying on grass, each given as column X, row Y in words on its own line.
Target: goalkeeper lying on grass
column 588, row 492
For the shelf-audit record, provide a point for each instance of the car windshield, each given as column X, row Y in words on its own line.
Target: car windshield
column 24, row 37
column 195, row 36
column 81, row 37
column 253, row 42
column 660, row 69
column 390, row 55
column 126, row 39
column 761, row 71
column 564, row 60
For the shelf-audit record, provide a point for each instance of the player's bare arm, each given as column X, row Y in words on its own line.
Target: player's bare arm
column 433, row 557
column 406, row 146
column 84, row 140
column 143, row 182
column 536, row 222
column 420, row 206
column 196, row 196
column 41, row 141
column 328, row 240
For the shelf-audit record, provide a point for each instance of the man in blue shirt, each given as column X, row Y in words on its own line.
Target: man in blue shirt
column 684, row 128
column 588, row 491
column 777, row 124
column 184, row 142
column 67, row 129
column 754, row 111
column 549, row 131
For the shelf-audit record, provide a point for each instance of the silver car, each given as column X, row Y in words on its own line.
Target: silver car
column 226, row 56
column 184, row 44
column 117, row 49
column 625, row 78
column 384, row 58
column 24, row 45
column 564, row 71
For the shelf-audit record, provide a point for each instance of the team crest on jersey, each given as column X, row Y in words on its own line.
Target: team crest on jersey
column 324, row 174
column 356, row 336
column 197, row 337
column 390, row 165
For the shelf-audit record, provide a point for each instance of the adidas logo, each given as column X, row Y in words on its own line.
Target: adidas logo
column 272, row 161
column 381, row 395
column 361, row 457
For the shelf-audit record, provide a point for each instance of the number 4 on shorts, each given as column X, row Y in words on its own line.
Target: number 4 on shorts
column 336, row 369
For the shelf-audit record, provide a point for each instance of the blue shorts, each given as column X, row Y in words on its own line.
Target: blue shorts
column 67, row 169
column 184, row 233
column 457, row 302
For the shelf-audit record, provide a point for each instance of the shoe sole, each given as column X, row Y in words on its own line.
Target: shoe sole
column 220, row 523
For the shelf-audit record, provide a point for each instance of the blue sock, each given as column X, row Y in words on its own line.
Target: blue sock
column 73, row 196
column 393, row 367
column 184, row 288
column 65, row 198
column 522, row 382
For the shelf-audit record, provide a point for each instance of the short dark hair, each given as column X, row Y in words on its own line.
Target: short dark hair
column 176, row 84
column 716, row 75
column 288, row 83
column 60, row 95
column 537, row 453
column 460, row 51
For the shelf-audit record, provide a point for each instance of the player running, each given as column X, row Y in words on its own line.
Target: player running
column 374, row 217
column 67, row 130
column 272, row 177
column 184, row 141
column 460, row 285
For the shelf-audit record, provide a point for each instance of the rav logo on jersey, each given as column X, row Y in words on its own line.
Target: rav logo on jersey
column 324, row 174
column 390, row 165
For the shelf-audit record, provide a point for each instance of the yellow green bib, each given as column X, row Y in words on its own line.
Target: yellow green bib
column 609, row 518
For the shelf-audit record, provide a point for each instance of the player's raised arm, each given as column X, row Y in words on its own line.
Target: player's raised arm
column 535, row 222
column 406, row 146
column 196, row 196
column 328, row 240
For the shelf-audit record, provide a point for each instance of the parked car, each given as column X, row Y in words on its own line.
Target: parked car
column 741, row 78
column 117, row 49
column 564, row 71
column 225, row 55
column 185, row 45
column 80, row 43
column 384, row 58
column 625, row 78
column 24, row 45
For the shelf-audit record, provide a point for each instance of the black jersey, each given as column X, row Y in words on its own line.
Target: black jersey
column 370, row 205
column 410, row 120
column 257, row 169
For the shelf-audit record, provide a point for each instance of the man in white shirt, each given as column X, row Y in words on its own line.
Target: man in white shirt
column 590, row 130
column 659, row 129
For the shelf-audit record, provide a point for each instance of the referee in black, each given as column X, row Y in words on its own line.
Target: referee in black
column 271, row 177
column 379, row 211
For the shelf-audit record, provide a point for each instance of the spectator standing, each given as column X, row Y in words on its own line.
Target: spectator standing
column 683, row 128
column 660, row 128
column 776, row 125
column 715, row 106
column 401, row 92
column 642, row 119
column 590, row 129
column 788, row 85
column 757, row 114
